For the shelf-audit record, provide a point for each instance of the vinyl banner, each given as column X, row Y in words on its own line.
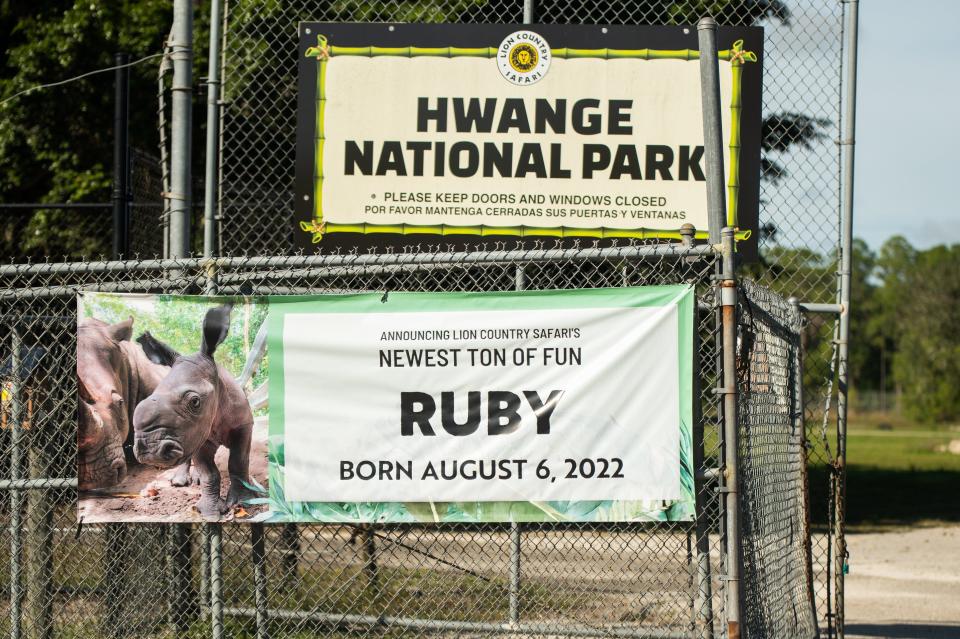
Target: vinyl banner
column 397, row 407
column 522, row 406
column 457, row 132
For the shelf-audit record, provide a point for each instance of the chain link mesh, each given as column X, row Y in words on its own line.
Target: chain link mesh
column 146, row 580
column 800, row 191
column 776, row 527
column 147, row 224
column 59, row 579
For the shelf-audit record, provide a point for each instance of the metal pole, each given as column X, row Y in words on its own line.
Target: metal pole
column 259, row 580
column 180, row 128
column 216, row 581
column 514, row 573
column 720, row 233
column 519, row 283
column 115, row 569
column 528, row 8
column 290, row 555
column 121, row 155
column 115, row 576
column 212, row 159
column 846, row 252
column 205, row 569
column 179, row 198
column 215, row 530
column 182, row 601
column 800, row 420
column 703, row 593
column 728, row 309
column 16, row 497
column 40, row 529
column 712, row 126
column 370, row 557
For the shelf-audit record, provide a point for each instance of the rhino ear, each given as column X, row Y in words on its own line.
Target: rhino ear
column 215, row 327
column 121, row 331
column 156, row 351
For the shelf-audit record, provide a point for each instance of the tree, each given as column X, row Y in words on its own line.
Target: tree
column 927, row 320
column 56, row 144
column 866, row 345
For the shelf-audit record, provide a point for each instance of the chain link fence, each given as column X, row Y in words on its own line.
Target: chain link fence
column 800, row 192
column 634, row 580
column 147, row 219
column 630, row 580
column 778, row 574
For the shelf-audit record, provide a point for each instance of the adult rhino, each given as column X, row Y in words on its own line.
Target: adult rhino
column 194, row 410
column 113, row 376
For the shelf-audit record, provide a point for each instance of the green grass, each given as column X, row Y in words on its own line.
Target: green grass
column 899, row 472
column 339, row 587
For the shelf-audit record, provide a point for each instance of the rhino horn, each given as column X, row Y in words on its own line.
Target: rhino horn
column 84, row 392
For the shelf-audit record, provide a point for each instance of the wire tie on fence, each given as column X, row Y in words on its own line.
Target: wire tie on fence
column 723, row 390
column 383, row 300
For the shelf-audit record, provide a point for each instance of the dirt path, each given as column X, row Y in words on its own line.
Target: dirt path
column 127, row 502
column 904, row 585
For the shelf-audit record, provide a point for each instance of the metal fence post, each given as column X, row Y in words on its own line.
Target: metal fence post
column 720, row 233
column 290, row 555
column 121, row 157
column 528, row 11
column 800, row 419
column 519, row 283
column 180, row 128
column 215, row 530
column 115, row 576
column 179, row 199
column 115, row 568
column 514, row 573
column 40, row 530
column 848, row 145
column 205, row 569
column 369, row 546
column 703, row 589
column 182, row 602
column 258, row 556
column 212, row 158
column 216, row 581
column 16, row 496
column 712, row 126
column 731, row 448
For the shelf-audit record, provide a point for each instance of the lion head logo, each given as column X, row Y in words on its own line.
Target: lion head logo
column 523, row 57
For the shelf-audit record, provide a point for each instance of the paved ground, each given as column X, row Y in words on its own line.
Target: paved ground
column 904, row 585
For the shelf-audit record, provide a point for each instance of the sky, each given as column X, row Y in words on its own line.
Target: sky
column 908, row 122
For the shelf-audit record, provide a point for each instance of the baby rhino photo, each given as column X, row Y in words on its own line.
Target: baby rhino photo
column 184, row 423
column 195, row 409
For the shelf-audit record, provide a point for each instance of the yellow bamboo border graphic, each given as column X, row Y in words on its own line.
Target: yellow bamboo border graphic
column 324, row 51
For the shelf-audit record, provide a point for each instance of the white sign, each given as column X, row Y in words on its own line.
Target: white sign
column 591, row 144
column 489, row 398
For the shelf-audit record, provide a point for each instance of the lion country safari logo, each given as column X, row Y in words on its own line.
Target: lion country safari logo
column 523, row 57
